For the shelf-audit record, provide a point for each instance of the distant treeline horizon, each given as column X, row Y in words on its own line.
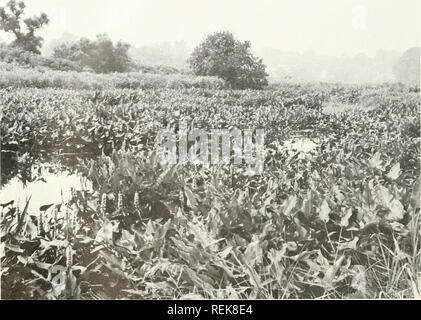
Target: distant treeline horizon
column 282, row 66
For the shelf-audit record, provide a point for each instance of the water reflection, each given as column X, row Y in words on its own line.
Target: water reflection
column 51, row 188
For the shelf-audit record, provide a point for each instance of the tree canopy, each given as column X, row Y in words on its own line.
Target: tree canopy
column 225, row 57
column 100, row 55
column 11, row 20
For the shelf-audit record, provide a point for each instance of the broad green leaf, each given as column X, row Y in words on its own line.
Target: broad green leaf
column 254, row 253
column 395, row 172
column 14, row 248
column 397, row 210
column 375, row 161
column 383, row 195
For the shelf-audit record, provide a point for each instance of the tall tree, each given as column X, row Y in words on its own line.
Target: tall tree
column 225, row 57
column 11, row 19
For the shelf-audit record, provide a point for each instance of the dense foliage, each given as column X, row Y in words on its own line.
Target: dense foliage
column 153, row 231
column 11, row 20
column 13, row 56
column 10, row 55
column 223, row 56
column 100, row 55
column 13, row 75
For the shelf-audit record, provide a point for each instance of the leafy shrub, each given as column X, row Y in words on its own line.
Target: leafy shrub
column 15, row 55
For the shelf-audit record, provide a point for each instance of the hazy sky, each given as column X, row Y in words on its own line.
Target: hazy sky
column 333, row 27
